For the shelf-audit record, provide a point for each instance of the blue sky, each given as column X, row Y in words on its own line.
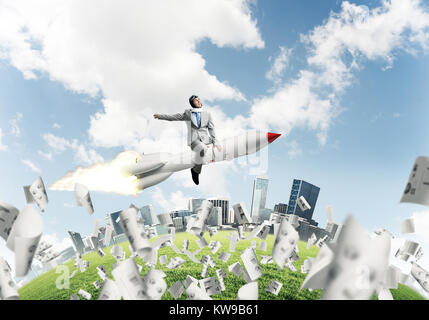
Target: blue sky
column 57, row 74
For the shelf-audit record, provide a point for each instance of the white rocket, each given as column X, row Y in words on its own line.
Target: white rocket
column 154, row 168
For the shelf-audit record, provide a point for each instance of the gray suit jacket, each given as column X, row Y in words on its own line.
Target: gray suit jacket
column 195, row 133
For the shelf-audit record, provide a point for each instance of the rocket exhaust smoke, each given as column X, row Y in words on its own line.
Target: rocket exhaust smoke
column 104, row 177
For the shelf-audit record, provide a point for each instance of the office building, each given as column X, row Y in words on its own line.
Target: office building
column 116, row 226
column 264, row 214
column 310, row 192
column 222, row 203
column 77, row 241
column 231, row 216
column 181, row 214
column 178, row 223
column 120, row 238
column 280, row 208
column 148, row 215
column 259, row 197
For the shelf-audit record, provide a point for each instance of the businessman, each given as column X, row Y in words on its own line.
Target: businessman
column 201, row 130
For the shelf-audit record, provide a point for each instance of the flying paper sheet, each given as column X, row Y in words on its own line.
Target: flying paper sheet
column 241, row 213
column 133, row 230
column 110, row 291
column 260, row 231
column 154, row 284
column 38, row 192
column 191, row 256
column 212, row 231
column 84, row 294
column 359, row 264
column 312, row 240
column 284, row 244
column 305, row 268
column 97, row 284
column 303, row 204
column 330, row 214
column 83, row 198
column 189, row 279
column 198, row 225
column 8, row 216
column 233, row 238
column 102, row 272
column 274, row 287
column 221, row 274
column 417, row 188
column 163, row 259
column 128, row 280
column 421, row 275
column 408, row 249
column 224, row 256
column 185, row 245
column 407, row 226
column 24, row 238
column 251, row 263
column 196, row 293
column 248, row 292
column 117, row 252
column 214, row 246
column 236, row 269
column 263, row 246
column 8, row 287
column 384, row 294
column 175, row 263
column 241, row 232
column 202, row 242
column 210, row 285
column 107, row 235
column 266, row 259
column 165, row 219
column 176, row 290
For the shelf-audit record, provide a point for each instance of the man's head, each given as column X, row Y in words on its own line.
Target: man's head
column 195, row 102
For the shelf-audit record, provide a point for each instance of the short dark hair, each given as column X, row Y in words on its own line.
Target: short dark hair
column 191, row 100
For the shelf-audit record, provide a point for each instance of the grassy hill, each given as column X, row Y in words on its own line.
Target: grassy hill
column 44, row 287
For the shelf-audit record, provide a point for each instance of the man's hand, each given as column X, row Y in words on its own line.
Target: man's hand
column 219, row 148
column 155, row 116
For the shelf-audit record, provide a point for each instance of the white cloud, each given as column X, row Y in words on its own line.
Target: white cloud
column 32, row 166
column 82, row 155
column 46, row 155
column 57, row 244
column 176, row 200
column 139, row 56
column 2, row 146
column 56, row 126
column 279, row 65
column 338, row 48
column 294, row 149
column 14, row 125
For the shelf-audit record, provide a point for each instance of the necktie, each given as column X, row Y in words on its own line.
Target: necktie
column 197, row 114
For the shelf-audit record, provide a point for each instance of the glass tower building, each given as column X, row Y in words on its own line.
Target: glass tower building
column 310, row 193
column 259, row 197
column 116, row 226
column 148, row 215
column 77, row 241
column 222, row 203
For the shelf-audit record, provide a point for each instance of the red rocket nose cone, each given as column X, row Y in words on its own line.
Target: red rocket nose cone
column 272, row 136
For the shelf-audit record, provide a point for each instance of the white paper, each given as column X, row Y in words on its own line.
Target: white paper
column 214, row 246
column 134, row 232
column 266, row 259
column 233, row 239
column 251, row 263
column 385, row 294
column 407, row 226
column 236, row 269
column 330, row 214
column 284, row 243
column 241, row 232
column 210, row 285
column 38, row 192
column 83, row 198
column 241, row 213
column 97, row 284
column 312, row 240
column 417, row 188
column 185, row 245
column 263, row 246
column 189, row 279
column 421, row 275
column 303, row 204
column 260, row 231
column 24, row 238
column 224, row 256
column 274, row 287
column 196, row 293
column 110, row 291
column 176, row 290
column 198, row 225
column 128, row 280
column 8, row 287
column 249, row 291
column 163, row 259
column 154, row 284
column 175, row 263
column 221, row 275
column 8, row 215
column 84, row 294
column 165, row 219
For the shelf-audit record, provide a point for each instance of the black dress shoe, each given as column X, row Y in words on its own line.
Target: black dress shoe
column 195, row 177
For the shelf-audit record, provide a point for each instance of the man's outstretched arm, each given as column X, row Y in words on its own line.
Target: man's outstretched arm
column 170, row 117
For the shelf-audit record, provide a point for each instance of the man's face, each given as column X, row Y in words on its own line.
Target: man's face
column 197, row 103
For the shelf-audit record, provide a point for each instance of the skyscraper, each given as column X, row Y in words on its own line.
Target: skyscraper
column 215, row 217
column 280, row 208
column 259, row 197
column 223, row 203
column 310, row 193
column 77, row 241
column 181, row 214
column 148, row 215
column 116, row 226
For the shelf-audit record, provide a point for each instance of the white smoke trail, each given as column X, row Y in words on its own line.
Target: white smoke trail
column 104, row 177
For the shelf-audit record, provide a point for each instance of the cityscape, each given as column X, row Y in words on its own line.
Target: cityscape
column 222, row 216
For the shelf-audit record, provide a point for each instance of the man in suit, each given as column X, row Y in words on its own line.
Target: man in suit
column 201, row 130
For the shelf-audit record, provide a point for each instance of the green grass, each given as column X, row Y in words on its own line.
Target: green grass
column 44, row 287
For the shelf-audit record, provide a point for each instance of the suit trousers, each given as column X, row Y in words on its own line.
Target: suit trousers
column 199, row 148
